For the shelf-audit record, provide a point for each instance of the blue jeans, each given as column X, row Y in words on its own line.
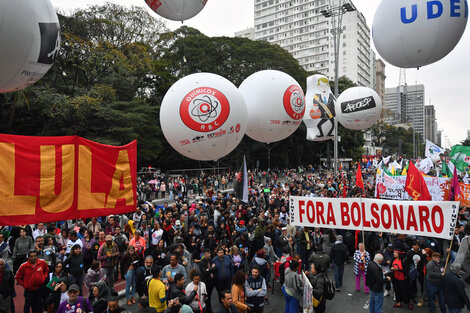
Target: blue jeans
column 130, row 284
column 376, row 301
column 338, row 270
column 454, row 310
column 292, row 304
column 453, row 255
column 432, row 291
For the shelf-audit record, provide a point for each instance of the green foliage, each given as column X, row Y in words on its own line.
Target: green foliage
column 114, row 68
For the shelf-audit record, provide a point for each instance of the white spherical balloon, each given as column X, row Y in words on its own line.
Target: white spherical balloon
column 415, row 33
column 275, row 103
column 203, row 116
column 29, row 42
column 177, row 10
column 358, row 108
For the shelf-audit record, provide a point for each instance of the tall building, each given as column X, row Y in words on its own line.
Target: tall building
column 430, row 124
column 468, row 134
column 300, row 28
column 246, row 33
column 405, row 104
column 439, row 138
column 380, row 78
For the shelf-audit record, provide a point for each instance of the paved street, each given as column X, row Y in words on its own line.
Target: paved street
column 345, row 301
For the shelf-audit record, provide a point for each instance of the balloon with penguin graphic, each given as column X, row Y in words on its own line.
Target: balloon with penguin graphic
column 319, row 114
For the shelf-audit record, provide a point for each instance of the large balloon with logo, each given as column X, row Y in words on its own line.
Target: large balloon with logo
column 319, row 114
column 275, row 104
column 414, row 33
column 203, row 116
column 358, row 108
column 177, row 10
column 29, row 42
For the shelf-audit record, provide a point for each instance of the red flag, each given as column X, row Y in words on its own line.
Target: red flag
column 415, row 184
column 455, row 186
column 359, row 181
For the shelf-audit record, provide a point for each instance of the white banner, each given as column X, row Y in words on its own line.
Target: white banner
column 422, row 218
column 393, row 187
column 308, row 295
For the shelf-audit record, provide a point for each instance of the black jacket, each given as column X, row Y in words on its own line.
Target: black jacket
column 318, row 285
column 205, row 266
column 233, row 309
column 177, row 292
column 140, row 280
column 7, row 286
column 374, row 277
column 339, row 254
column 454, row 291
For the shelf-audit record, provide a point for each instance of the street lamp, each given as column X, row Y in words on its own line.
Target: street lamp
column 336, row 14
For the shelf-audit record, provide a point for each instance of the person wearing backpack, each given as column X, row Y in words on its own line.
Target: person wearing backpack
column 318, row 282
column 375, row 280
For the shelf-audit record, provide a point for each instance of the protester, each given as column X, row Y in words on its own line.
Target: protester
column 199, row 301
column 226, row 303
column 400, row 281
column 454, row 290
column 7, row 285
column 339, row 255
column 361, row 260
column 129, row 263
column 223, row 271
column 99, row 297
column 317, row 280
column 157, row 290
column 376, row 281
column 256, row 290
column 108, row 255
column 22, row 246
column 292, row 288
column 73, row 265
column 434, row 287
column 32, row 275
column 238, row 292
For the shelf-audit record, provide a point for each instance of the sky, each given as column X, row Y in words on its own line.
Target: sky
column 446, row 82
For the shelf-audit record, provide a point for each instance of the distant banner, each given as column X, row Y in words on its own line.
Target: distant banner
column 46, row 179
column 422, row 218
column 464, row 196
column 308, row 295
column 393, row 187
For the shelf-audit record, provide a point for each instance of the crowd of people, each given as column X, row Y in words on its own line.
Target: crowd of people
column 172, row 256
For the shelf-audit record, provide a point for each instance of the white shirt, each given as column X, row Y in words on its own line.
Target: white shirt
column 201, row 290
column 71, row 243
column 156, row 236
column 39, row 232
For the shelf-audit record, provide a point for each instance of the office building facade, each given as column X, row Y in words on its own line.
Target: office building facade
column 299, row 27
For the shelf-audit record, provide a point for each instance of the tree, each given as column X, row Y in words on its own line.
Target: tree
column 465, row 142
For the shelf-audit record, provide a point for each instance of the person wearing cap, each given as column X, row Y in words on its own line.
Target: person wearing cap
column 285, row 247
column 339, row 255
column 75, row 303
column 454, row 290
column 241, row 228
column 31, row 275
column 434, row 273
column 108, row 255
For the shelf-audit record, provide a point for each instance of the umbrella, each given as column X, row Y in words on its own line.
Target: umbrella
column 153, row 181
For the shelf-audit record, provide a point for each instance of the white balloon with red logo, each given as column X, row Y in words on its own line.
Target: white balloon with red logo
column 177, row 10
column 29, row 42
column 358, row 108
column 275, row 104
column 203, row 116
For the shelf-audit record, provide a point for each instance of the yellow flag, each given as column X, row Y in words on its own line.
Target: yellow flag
column 404, row 171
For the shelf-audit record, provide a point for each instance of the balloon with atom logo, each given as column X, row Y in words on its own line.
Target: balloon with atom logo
column 203, row 116
column 177, row 10
column 275, row 103
column 29, row 42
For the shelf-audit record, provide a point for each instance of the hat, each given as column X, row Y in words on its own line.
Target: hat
column 108, row 238
column 339, row 238
column 74, row 287
column 242, row 222
column 178, row 222
column 390, row 245
column 284, row 228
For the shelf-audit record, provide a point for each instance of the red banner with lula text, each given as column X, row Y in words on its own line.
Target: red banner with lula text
column 46, row 179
